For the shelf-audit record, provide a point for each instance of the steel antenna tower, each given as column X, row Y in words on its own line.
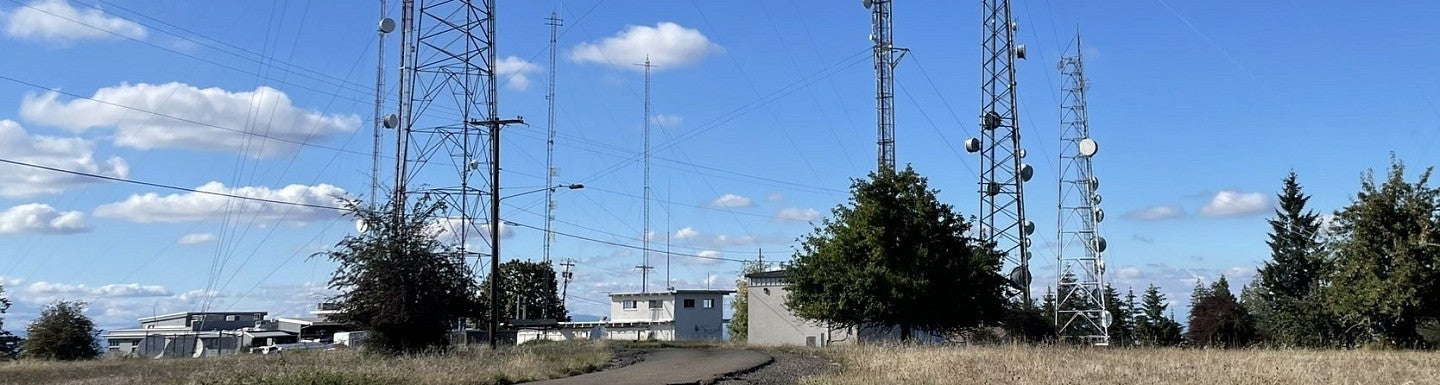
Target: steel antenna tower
column 1080, row 311
column 887, row 57
column 645, row 150
column 1002, row 174
column 550, row 171
column 386, row 26
column 448, row 114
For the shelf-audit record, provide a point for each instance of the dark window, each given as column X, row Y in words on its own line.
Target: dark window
column 690, row 303
column 656, row 304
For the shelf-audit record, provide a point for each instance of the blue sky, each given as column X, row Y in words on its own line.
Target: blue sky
column 763, row 112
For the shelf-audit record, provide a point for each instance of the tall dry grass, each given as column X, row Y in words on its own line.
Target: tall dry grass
column 341, row 367
column 1087, row 366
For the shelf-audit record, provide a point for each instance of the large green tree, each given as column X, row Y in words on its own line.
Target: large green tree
column 63, row 333
column 1385, row 279
column 740, row 307
column 399, row 282
column 1288, row 311
column 1217, row 319
column 1122, row 322
column 1152, row 326
column 528, row 290
column 895, row 256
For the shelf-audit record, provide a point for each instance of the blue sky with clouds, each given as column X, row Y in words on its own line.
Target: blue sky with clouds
column 762, row 112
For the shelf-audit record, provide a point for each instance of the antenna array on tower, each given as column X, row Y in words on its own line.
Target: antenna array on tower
column 887, row 57
column 1080, row 300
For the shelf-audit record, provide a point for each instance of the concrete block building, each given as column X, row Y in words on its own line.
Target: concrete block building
column 675, row 315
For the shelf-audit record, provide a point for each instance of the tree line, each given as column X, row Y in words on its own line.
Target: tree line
column 893, row 255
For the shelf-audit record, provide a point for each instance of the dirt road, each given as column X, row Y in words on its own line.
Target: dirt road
column 673, row 366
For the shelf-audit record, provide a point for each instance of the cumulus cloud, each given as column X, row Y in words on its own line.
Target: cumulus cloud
column 732, row 201
column 447, row 229
column 793, row 214
column 667, row 45
column 74, row 291
column 707, row 257
column 686, row 233
column 39, row 218
column 73, row 154
column 260, row 123
column 204, row 205
column 515, row 72
column 1228, row 203
column 1156, row 213
column 1129, row 272
column 56, row 21
column 197, row 238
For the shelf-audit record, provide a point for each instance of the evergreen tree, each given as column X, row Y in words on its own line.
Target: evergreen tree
column 1152, row 326
column 1217, row 319
column 1047, row 307
column 896, row 256
column 1287, row 310
column 528, row 290
column 739, row 321
column 62, row 333
column 1122, row 327
column 1385, row 280
column 9, row 343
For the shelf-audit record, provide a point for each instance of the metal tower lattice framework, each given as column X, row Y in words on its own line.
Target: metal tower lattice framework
column 1080, row 303
column 887, row 57
column 645, row 266
column 1002, row 174
column 550, row 171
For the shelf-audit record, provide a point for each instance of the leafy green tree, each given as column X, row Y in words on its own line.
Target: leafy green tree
column 62, row 333
column 1217, row 319
column 528, row 290
column 399, row 282
column 1385, row 280
column 739, row 320
column 896, row 256
column 9, row 343
column 1288, row 310
column 1152, row 326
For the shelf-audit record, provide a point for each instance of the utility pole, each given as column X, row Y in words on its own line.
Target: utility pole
column 1081, row 246
column 887, row 57
column 566, row 276
column 551, row 172
column 1002, row 174
column 645, row 151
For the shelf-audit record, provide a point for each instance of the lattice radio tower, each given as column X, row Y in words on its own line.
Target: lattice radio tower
column 550, row 171
column 1080, row 312
column 645, row 266
column 1002, row 174
column 887, row 57
column 447, row 114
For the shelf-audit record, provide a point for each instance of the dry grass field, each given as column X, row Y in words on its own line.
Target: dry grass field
column 1070, row 365
column 323, row 367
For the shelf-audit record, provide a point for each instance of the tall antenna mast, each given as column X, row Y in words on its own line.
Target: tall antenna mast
column 550, row 171
column 386, row 26
column 1080, row 312
column 886, row 58
column 1002, row 175
column 645, row 150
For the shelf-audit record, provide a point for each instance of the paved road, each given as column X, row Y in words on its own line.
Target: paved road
column 673, row 366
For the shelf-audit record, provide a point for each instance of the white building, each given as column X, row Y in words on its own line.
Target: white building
column 770, row 323
column 676, row 315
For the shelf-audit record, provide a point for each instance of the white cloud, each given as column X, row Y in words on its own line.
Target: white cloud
column 732, row 201
column 514, row 72
column 73, row 154
column 667, row 45
column 686, row 233
column 197, row 238
column 57, row 21
column 792, row 214
column 1156, row 213
column 477, row 233
column 51, row 291
column 259, row 123
column 1129, row 272
column 726, row 240
column 775, row 197
column 1228, row 203
column 668, row 121
column 39, row 218
column 194, row 206
column 707, row 257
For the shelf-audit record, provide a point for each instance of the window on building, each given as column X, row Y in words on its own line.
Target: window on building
column 230, row 318
column 690, row 303
column 627, row 304
column 709, row 303
column 656, row 304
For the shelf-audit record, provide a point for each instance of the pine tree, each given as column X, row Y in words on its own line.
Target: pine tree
column 1287, row 308
column 1122, row 328
column 1217, row 319
column 9, row 343
column 1152, row 326
column 62, row 333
